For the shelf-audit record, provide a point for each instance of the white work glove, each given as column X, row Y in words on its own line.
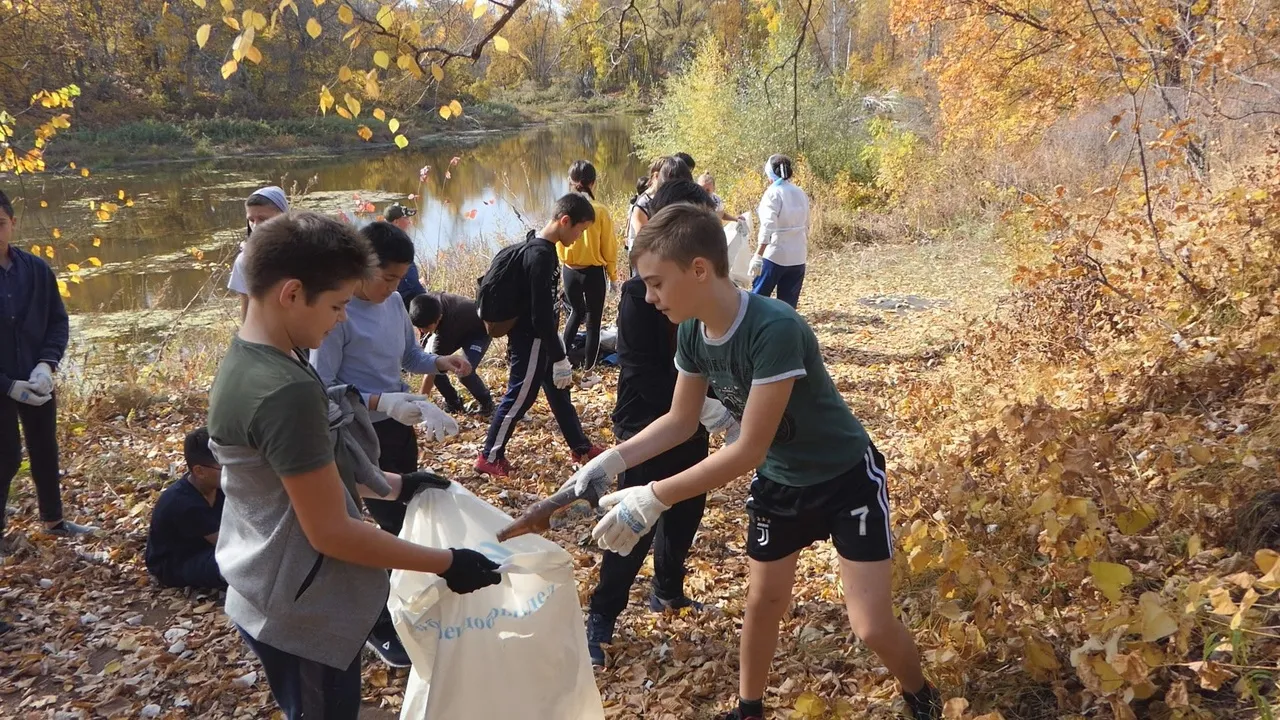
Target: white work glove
column 23, row 392
column 562, row 374
column 438, row 423
column 757, row 266
column 717, row 419
column 600, row 474
column 632, row 513
column 402, row 407
column 42, row 379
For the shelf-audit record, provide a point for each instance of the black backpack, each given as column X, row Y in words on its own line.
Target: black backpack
column 503, row 291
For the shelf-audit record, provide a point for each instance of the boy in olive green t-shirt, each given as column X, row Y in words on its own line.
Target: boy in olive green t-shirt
column 817, row 475
column 306, row 575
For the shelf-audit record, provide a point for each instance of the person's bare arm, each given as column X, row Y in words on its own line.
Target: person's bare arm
column 765, row 407
column 319, row 500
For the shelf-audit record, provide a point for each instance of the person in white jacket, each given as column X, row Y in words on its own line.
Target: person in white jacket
column 784, row 235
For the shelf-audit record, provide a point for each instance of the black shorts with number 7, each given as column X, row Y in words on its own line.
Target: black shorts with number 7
column 851, row 509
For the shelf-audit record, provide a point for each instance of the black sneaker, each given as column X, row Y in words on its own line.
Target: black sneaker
column 926, row 704
column 66, row 529
column 735, row 715
column 5, row 627
column 657, row 604
column 384, row 642
column 599, row 632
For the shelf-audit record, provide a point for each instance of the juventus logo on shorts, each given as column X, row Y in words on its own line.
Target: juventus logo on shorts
column 762, row 532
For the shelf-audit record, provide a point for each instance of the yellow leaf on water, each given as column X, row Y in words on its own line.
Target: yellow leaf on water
column 1109, row 578
column 95, row 262
column 382, row 59
column 313, row 28
column 72, row 267
column 500, row 44
column 402, row 142
column 202, row 35
column 97, row 241
column 394, row 125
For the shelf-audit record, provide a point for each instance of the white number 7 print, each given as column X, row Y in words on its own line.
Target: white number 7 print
column 861, row 513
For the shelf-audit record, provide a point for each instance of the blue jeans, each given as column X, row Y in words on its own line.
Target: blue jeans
column 788, row 279
column 308, row 690
column 531, row 370
column 474, row 348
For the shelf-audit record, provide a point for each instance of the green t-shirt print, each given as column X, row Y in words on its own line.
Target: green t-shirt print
column 818, row 438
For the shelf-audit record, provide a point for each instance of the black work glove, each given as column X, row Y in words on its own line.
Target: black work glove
column 412, row 483
column 470, row 571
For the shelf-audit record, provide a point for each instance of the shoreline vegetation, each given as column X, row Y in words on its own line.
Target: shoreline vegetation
column 151, row 141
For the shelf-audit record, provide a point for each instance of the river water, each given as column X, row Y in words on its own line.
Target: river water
column 171, row 248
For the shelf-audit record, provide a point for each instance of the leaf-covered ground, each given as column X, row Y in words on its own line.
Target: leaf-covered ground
column 95, row 637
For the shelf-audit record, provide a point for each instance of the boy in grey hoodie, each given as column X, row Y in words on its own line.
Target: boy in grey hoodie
column 306, row 575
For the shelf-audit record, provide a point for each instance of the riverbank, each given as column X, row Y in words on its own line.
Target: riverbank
column 151, row 141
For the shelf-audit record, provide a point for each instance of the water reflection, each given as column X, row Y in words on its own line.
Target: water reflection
column 173, row 246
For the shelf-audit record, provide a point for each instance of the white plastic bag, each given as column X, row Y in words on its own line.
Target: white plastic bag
column 741, row 244
column 514, row 650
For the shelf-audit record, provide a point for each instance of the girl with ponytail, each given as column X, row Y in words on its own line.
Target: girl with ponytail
column 590, row 266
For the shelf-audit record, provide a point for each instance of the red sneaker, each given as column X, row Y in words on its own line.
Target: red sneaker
column 590, row 454
column 501, row 468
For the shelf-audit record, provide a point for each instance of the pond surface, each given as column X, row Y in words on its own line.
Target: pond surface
column 171, row 249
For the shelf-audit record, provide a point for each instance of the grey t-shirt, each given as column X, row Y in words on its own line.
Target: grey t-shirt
column 268, row 419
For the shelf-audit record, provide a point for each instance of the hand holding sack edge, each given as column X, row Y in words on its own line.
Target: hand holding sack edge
column 470, row 571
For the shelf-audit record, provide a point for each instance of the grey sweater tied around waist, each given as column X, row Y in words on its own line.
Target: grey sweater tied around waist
column 281, row 591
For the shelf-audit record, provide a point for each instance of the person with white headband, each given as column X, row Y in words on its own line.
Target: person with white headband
column 783, row 248
column 264, row 204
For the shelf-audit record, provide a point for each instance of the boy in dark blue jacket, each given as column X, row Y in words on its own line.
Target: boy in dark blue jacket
column 33, row 337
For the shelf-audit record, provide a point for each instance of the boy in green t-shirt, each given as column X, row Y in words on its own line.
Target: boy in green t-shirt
column 817, row 475
column 306, row 575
